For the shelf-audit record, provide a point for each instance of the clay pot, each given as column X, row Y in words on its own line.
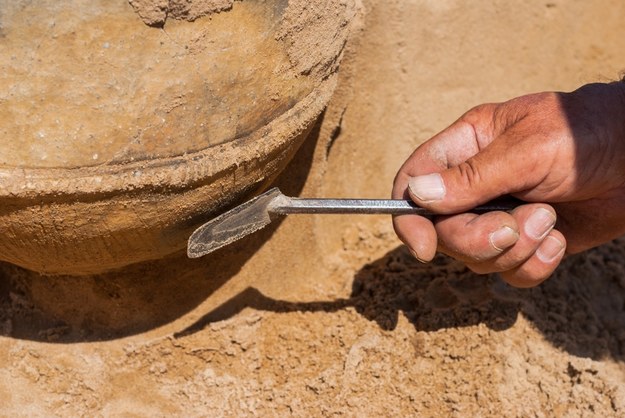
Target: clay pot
column 124, row 126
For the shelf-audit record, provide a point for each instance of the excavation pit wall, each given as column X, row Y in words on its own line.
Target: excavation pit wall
column 329, row 314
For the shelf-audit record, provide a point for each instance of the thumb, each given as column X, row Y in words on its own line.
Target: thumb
column 496, row 170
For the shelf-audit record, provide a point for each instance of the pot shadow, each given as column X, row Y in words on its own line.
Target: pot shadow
column 580, row 309
column 140, row 297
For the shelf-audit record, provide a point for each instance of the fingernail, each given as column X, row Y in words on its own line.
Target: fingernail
column 415, row 255
column 539, row 223
column 428, row 187
column 503, row 238
column 550, row 249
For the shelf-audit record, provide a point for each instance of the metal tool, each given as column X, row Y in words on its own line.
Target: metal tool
column 255, row 214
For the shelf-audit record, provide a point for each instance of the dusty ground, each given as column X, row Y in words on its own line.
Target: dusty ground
column 329, row 315
column 409, row 340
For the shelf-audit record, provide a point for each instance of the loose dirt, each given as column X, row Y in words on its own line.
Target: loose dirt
column 411, row 339
column 155, row 12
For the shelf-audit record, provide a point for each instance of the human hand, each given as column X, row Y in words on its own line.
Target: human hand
column 563, row 153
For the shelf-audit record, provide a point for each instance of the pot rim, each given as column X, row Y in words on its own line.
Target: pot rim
column 167, row 173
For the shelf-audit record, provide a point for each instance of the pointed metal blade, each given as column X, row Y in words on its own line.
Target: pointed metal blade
column 228, row 227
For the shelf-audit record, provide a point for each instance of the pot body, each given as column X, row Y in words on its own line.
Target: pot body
column 124, row 129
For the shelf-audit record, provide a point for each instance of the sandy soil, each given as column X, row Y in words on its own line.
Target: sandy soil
column 410, row 339
column 319, row 316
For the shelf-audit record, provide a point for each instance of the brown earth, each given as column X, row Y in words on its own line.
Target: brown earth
column 328, row 315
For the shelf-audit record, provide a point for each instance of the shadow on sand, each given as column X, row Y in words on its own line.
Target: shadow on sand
column 581, row 309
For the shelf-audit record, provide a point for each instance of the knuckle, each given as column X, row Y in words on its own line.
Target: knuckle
column 469, row 173
column 480, row 121
column 478, row 112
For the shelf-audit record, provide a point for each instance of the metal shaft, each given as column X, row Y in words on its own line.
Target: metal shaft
column 291, row 205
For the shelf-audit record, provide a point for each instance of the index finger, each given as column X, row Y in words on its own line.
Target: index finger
column 455, row 144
